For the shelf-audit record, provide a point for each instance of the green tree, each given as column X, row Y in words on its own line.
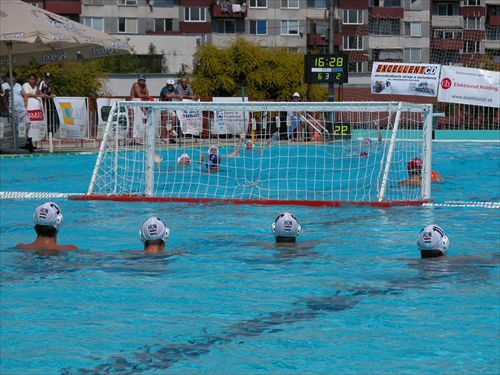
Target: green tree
column 266, row 74
column 79, row 79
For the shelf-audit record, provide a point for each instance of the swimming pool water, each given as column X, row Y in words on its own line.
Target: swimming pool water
column 352, row 297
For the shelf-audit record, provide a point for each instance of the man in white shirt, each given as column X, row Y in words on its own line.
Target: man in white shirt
column 20, row 114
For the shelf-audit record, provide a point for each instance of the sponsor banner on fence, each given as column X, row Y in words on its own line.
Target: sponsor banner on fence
column 73, row 117
column 191, row 122
column 141, row 116
column 103, row 109
column 38, row 120
column 232, row 122
column 405, row 79
column 469, row 86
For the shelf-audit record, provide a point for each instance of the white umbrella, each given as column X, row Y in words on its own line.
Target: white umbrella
column 28, row 32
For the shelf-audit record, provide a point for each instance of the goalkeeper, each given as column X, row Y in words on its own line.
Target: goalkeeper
column 250, row 146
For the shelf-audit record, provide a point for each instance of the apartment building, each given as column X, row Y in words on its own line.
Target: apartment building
column 416, row 31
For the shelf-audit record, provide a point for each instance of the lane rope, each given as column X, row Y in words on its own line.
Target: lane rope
column 34, row 195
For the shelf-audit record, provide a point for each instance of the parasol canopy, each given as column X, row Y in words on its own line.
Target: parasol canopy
column 29, row 32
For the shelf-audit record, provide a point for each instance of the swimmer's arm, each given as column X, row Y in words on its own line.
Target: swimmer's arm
column 158, row 160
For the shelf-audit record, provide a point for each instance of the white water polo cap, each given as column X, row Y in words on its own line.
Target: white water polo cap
column 48, row 214
column 431, row 238
column 154, row 229
column 286, row 225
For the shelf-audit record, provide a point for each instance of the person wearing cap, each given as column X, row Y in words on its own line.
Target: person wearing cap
column 432, row 242
column 48, row 101
column 182, row 161
column 285, row 228
column 293, row 131
column 140, row 89
column 250, row 146
column 213, row 161
column 154, row 235
column 20, row 112
column 48, row 220
column 414, row 167
column 169, row 93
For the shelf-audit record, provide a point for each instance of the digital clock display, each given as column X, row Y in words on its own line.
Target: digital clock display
column 325, row 68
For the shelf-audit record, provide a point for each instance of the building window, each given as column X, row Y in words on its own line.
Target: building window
column 445, row 9
column 258, row 27
column 127, row 25
column 472, row 46
column 412, row 55
column 492, row 33
column 226, row 27
column 352, row 17
column 321, row 4
column 385, row 26
column 472, row 23
column 258, row 3
column 164, row 24
column 353, row 43
column 385, row 3
column 127, row 2
column 194, row 14
column 448, row 33
column 164, row 3
column 472, row 3
column 293, row 4
column 94, row 22
column 289, row 27
column 355, row 67
column 413, row 28
column 85, row 2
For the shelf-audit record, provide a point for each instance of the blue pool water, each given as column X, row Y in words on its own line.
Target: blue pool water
column 351, row 297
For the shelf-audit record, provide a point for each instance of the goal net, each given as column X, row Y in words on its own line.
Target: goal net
column 267, row 152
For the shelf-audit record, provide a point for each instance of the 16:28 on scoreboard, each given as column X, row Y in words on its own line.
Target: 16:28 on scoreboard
column 325, row 68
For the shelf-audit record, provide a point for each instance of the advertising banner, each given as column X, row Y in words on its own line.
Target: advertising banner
column 103, row 109
column 229, row 122
column 405, row 79
column 469, row 86
column 38, row 127
column 73, row 117
column 191, row 122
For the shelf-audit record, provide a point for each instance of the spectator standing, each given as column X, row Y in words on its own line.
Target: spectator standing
column 169, row 93
column 293, row 131
column 184, row 89
column 20, row 114
column 140, row 89
column 48, row 102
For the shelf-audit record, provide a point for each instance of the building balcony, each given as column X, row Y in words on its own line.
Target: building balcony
column 447, row 44
column 379, row 12
column 492, row 20
column 195, row 3
column 63, row 7
column 353, row 4
column 229, row 11
column 319, row 40
column 472, row 11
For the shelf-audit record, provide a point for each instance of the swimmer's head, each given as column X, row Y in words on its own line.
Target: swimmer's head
column 363, row 154
column 367, row 141
column 414, row 166
column 184, row 159
column 154, row 229
column 48, row 214
column 249, row 145
column 213, row 150
column 286, row 228
column 432, row 242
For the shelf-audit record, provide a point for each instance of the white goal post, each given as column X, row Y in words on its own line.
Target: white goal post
column 313, row 153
